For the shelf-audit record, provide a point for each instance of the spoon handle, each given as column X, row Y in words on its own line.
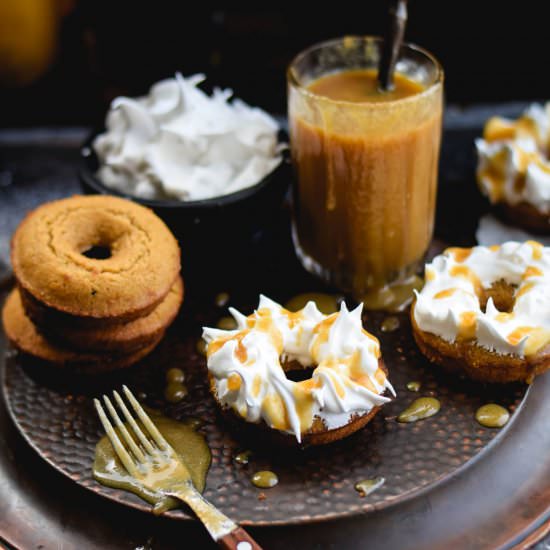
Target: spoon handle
column 392, row 44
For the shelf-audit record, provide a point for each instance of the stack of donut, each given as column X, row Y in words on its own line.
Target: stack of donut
column 98, row 283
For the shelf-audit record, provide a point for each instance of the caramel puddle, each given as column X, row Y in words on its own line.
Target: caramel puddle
column 492, row 416
column 243, row 457
column 367, row 486
column 414, row 386
column 420, row 408
column 265, row 479
column 190, row 446
column 392, row 298
column 390, row 324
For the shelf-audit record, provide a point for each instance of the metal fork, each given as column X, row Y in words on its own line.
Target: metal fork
column 155, row 464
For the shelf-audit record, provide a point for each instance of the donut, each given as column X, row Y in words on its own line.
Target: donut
column 120, row 338
column 514, row 169
column 247, row 370
column 23, row 335
column 51, row 260
column 485, row 311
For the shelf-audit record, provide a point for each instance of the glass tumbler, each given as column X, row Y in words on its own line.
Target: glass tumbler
column 365, row 172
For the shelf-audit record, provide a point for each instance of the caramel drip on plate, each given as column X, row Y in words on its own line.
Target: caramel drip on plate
column 492, row 416
column 420, row 408
column 367, row 486
column 265, row 479
column 390, row 324
column 190, row 446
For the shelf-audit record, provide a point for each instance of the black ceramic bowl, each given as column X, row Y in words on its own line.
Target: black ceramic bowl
column 202, row 226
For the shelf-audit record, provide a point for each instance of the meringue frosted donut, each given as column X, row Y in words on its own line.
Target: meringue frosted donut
column 514, row 169
column 247, row 370
column 486, row 311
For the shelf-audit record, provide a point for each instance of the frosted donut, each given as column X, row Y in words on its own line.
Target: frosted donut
column 247, row 371
column 485, row 311
column 514, row 168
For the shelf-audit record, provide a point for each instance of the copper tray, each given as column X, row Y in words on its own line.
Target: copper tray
column 445, row 489
column 315, row 484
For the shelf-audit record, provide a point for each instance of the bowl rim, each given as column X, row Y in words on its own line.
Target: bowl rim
column 88, row 155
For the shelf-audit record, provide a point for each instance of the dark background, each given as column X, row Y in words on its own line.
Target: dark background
column 491, row 51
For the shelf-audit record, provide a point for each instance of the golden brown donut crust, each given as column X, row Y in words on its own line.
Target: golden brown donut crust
column 23, row 335
column 119, row 338
column 525, row 215
column 479, row 363
column 49, row 264
column 318, row 434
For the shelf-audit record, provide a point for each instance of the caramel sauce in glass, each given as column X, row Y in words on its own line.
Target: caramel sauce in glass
column 366, row 170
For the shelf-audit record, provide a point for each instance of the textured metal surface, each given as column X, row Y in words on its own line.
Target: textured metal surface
column 477, row 506
column 315, row 484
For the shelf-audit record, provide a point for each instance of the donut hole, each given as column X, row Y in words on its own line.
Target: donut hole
column 102, row 236
column 502, row 294
column 97, row 252
column 299, row 374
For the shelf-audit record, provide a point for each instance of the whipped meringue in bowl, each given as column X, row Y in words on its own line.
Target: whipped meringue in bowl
column 178, row 143
column 208, row 166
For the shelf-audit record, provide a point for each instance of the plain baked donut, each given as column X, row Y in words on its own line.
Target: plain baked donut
column 50, row 262
column 120, row 338
column 23, row 336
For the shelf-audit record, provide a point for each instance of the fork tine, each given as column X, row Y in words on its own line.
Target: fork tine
column 121, row 452
column 125, row 434
column 131, row 420
column 150, row 427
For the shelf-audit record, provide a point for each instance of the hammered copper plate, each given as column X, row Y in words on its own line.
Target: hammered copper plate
column 57, row 418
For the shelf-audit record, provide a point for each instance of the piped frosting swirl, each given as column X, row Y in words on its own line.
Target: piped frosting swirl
column 246, row 367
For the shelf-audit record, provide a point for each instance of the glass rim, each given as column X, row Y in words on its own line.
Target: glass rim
column 293, row 80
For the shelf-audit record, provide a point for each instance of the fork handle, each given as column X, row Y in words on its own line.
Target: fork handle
column 222, row 529
column 238, row 539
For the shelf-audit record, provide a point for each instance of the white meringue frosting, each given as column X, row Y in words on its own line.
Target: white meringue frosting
column 449, row 304
column 177, row 142
column 247, row 375
column 513, row 163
